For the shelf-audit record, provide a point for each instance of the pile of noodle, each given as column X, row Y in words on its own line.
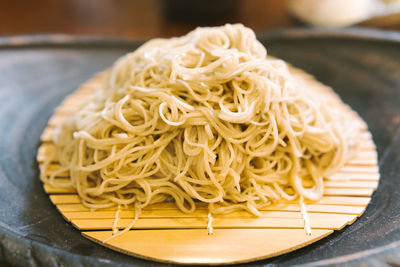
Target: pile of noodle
column 206, row 117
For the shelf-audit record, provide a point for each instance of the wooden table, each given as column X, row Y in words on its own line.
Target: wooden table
column 136, row 19
column 143, row 19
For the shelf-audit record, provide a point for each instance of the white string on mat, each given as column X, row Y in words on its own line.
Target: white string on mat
column 304, row 214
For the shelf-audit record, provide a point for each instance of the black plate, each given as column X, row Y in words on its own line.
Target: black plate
column 37, row 72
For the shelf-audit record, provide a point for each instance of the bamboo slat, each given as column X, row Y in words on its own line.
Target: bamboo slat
column 325, row 200
column 363, row 161
column 354, row 176
column 360, row 169
column 76, row 211
column 65, row 199
column 362, row 192
column 351, row 184
column 291, row 212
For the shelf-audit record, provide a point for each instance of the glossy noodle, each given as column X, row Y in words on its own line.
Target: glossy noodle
column 206, row 117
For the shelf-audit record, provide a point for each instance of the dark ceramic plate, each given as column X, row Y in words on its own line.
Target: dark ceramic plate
column 37, row 72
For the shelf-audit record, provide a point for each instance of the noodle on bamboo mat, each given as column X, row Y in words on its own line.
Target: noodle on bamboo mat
column 202, row 232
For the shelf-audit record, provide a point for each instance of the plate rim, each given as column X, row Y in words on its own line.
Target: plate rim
column 72, row 40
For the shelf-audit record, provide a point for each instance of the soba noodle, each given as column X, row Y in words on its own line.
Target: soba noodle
column 206, row 117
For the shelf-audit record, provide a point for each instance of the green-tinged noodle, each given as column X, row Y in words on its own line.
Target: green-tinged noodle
column 206, row 117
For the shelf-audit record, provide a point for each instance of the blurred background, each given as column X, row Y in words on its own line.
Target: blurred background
column 144, row 19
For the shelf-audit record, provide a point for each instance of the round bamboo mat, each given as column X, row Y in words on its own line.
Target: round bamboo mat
column 165, row 234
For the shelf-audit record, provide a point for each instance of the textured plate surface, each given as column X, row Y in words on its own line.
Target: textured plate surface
column 35, row 78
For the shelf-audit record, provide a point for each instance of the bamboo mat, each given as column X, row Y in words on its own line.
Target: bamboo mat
column 165, row 234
